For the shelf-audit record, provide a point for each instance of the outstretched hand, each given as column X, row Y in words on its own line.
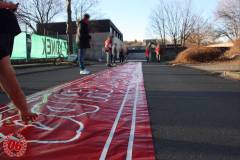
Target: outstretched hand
column 28, row 117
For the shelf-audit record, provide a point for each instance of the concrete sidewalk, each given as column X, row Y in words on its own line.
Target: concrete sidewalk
column 37, row 69
column 45, row 67
column 225, row 69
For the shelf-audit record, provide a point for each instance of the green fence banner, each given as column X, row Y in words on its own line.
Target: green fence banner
column 20, row 47
column 47, row 47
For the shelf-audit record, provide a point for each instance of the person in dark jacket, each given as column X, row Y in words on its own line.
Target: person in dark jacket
column 9, row 28
column 121, row 54
column 83, row 41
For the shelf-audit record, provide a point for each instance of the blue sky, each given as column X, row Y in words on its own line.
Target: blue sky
column 132, row 16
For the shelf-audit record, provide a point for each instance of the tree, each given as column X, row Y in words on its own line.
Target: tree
column 69, row 26
column 33, row 12
column 83, row 6
column 228, row 15
column 202, row 32
column 173, row 20
column 159, row 25
column 188, row 21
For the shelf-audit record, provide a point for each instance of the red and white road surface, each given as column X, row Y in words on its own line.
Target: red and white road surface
column 102, row 116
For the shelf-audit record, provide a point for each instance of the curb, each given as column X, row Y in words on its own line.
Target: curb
column 32, row 65
column 45, row 67
column 44, row 70
column 233, row 75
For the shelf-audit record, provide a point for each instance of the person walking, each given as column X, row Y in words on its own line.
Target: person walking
column 83, row 42
column 121, row 54
column 147, row 53
column 158, row 55
column 125, row 53
column 108, row 50
column 9, row 28
column 114, row 53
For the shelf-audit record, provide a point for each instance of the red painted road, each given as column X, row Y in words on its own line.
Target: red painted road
column 102, row 116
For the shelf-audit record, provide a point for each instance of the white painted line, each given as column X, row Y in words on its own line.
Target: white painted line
column 8, row 118
column 3, row 107
column 7, row 110
column 133, row 126
column 111, row 135
column 54, row 89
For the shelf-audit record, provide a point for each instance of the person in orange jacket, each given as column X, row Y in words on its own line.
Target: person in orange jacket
column 158, row 55
column 147, row 53
column 108, row 50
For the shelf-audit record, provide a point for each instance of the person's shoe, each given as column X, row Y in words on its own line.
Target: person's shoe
column 85, row 72
column 109, row 65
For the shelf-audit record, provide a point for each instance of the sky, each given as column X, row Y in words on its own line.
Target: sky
column 132, row 17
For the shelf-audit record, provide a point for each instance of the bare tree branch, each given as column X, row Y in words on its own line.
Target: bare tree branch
column 228, row 15
column 173, row 20
column 32, row 12
column 83, row 6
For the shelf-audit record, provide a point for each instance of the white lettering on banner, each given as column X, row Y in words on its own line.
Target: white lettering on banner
column 53, row 46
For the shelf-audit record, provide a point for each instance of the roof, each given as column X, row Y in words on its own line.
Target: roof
column 95, row 26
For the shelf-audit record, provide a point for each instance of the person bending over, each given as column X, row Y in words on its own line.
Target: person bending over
column 9, row 28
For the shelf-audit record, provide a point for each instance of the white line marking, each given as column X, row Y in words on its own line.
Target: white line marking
column 133, row 126
column 54, row 89
column 111, row 135
column 7, row 110
column 8, row 118
column 3, row 107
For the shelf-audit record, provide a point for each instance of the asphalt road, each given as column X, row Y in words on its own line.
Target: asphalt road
column 194, row 115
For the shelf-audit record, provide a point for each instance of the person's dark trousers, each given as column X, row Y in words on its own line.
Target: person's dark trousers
column 121, row 57
column 159, row 58
column 109, row 58
column 114, row 57
column 81, row 57
column 6, row 45
column 147, row 59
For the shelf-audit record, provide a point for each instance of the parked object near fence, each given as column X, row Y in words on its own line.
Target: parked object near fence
column 47, row 47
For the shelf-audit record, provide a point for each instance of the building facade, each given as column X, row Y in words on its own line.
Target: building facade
column 100, row 30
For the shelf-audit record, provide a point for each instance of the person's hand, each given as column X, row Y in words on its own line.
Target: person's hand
column 28, row 117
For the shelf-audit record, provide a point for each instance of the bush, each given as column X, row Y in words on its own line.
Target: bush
column 199, row 54
column 234, row 51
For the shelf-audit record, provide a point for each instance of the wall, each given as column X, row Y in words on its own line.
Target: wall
column 168, row 54
column 97, row 43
